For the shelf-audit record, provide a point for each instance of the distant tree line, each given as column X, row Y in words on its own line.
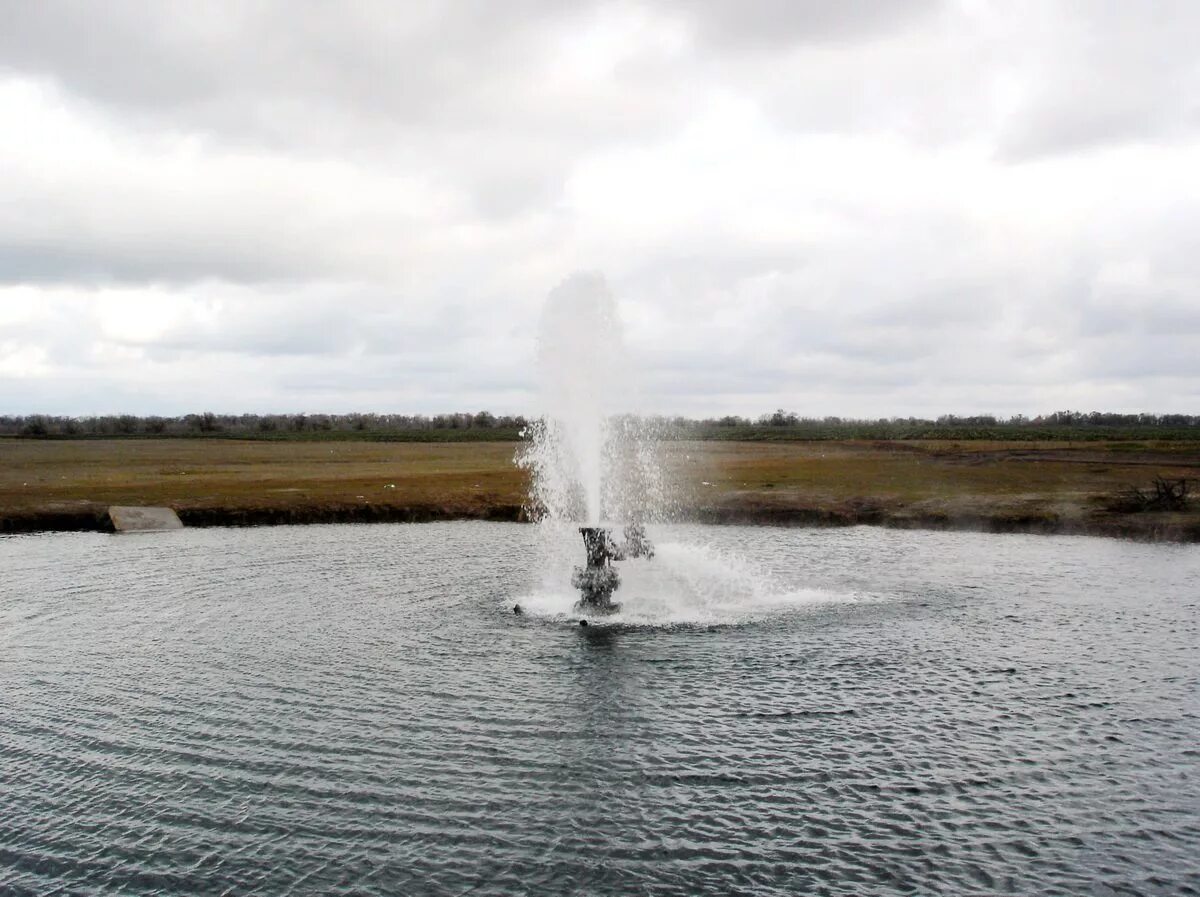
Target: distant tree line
column 779, row 424
column 251, row 425
column 781, row 418
column 782, row 424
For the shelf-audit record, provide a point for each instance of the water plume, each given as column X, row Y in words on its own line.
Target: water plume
column 591, row 459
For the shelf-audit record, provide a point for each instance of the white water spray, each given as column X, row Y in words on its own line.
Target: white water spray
column 590, row 458
column 593, row 461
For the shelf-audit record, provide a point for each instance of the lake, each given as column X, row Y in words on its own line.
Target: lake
column 356, row 710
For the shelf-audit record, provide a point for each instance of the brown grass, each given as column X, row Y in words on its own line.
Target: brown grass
column 194, row 473
column 1048, row 485
column 916, row 471
column 1053, row 486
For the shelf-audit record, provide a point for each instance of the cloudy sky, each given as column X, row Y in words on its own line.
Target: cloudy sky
column 860, row 208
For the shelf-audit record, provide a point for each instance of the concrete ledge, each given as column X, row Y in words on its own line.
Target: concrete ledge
column 143, row 520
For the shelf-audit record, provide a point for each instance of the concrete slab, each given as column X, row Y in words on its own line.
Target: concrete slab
column 143, row 520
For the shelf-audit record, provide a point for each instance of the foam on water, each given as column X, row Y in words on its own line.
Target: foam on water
column 685, row 584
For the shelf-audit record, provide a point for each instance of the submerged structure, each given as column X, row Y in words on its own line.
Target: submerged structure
column 599, row 579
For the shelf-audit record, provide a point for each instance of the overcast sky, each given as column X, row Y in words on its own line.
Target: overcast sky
column 859, row 208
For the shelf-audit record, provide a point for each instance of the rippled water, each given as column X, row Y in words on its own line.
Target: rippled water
column 353, row 710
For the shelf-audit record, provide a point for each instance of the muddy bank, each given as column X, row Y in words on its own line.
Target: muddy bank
column 1183, row 528
column 1140, row 527
column 95, row 519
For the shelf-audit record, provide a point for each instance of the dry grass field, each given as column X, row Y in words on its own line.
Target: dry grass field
column 1054, row 486
column 210, row 480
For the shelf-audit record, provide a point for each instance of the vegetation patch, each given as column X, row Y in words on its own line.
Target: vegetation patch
column 1162, row 495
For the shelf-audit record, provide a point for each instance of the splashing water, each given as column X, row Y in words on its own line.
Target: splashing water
column 689, row 583
column 591, row 460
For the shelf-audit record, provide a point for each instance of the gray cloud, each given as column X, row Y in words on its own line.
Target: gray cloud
column 790, row 23
column 448, row 63
column 217, row 59
column 871, row 208
column 1105, row 73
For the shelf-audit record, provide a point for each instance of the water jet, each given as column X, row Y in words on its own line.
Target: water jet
column 593, row 462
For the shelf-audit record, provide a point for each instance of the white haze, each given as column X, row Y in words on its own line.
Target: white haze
column 592, row 458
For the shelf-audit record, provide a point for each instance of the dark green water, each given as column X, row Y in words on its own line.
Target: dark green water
column 351, row 710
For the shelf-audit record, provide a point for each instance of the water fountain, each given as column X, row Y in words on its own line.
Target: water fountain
column 596, row 473
column 593, row 464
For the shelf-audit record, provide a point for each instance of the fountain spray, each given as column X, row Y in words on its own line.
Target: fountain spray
column 593, row 464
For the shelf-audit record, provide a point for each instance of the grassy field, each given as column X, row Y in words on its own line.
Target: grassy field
column 221, row 475
column 1058, row 483
column 1051, row 486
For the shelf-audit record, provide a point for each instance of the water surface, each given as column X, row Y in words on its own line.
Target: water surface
column 353, row 710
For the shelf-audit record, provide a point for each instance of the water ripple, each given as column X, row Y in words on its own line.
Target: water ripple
column 351, row 710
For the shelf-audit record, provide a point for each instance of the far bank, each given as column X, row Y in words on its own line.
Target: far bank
column 1050, row 487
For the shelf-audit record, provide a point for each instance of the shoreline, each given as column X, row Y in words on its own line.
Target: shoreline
column 1142, row 527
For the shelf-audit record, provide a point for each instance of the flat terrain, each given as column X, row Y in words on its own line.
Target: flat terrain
column 1003, row 486
column 1048, row 486
column 237, row 481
